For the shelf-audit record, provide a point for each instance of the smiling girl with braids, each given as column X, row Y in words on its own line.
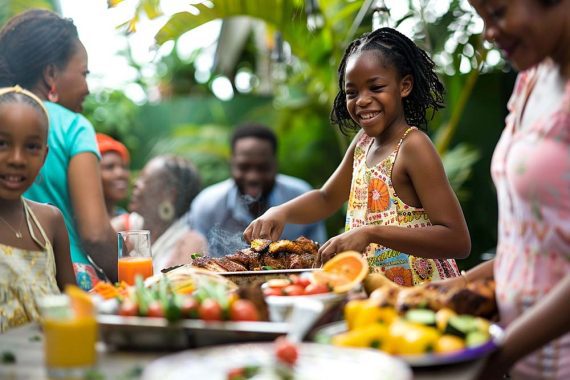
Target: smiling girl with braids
column 402, row 213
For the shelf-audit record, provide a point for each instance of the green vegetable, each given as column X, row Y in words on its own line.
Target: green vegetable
column 195, row 255
column 476, row 338
column 267, row 267
column 461, row 325
column 8, row 357
column 421, row 316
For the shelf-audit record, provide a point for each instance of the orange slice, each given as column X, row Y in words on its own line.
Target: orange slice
column 81, row 301
column 343, row 272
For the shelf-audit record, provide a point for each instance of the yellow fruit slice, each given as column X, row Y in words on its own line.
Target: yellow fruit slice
column 81, row 301
column 343, row 272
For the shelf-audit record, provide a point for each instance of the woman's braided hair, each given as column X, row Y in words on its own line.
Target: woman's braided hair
column 407, row 58
column 183, row 177
column 31, row 41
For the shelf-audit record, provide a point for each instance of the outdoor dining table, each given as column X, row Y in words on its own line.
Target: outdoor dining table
column 25, row 343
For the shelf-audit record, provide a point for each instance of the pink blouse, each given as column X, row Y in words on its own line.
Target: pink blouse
column 531, row 171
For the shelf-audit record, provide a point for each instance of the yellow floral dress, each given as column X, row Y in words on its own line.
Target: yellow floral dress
column 25, row 276
column 373, row 201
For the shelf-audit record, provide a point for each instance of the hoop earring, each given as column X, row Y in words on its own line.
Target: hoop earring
column 52, row 94
column 166, row 211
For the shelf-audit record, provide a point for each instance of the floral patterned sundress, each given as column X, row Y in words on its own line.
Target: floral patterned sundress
column 531, row 171
column 25, row 276
column 373, row 201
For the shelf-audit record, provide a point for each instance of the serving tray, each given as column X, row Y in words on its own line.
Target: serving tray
column 142, row 333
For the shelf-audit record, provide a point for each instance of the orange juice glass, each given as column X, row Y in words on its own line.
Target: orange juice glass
column 69, row 341
column 130, row 267
column 135, row 257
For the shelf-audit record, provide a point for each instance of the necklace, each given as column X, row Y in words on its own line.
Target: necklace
column 17, row 232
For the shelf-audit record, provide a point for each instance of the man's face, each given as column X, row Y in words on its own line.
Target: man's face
column 253, row 166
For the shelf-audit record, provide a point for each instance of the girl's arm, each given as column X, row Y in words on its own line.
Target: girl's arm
column 97, row 236
column 60, row 242
column 530, row 332
column 310, row 207
column 447, row 237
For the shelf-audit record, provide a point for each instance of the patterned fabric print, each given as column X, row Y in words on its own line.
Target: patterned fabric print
column 85, row 276
column 373, row 201
column 25, row 276
column 531, row 171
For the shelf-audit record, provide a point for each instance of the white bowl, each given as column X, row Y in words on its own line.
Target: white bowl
column 281, row 307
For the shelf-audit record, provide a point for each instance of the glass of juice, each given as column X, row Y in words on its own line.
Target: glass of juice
column 69, row 339
column 135, row 257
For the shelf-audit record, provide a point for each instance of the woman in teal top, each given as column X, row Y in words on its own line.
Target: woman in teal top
column 41, row 51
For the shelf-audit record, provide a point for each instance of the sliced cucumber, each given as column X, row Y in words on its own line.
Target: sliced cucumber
column 476, row 338
column 461, row 325
column 421, row 316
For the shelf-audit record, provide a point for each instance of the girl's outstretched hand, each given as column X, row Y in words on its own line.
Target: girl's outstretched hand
column 356, row 239
column 269, row 226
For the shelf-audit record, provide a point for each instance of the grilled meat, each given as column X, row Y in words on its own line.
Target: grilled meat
column 282, row 254
column 260, row 245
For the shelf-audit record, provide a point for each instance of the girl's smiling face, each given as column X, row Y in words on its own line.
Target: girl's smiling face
column 23, row 147
column 374, row 92
column 527, row 31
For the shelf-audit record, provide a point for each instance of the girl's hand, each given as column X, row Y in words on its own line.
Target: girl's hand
column 269, row 226
column 356, row 239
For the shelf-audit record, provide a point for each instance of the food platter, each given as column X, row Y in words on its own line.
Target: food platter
column 315, row 362
column 144, row 333
column 325, row 333
column 246, row 278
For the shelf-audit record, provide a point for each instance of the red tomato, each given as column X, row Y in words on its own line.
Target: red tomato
column 286, row 351
column 155, row 310
column 273, row 292
column 236, row 373
column 190, row 307
column 301, row 281
column 316, row 289
column 294, row 290
column 210, row 310
column 128, row 308
column 243, row 310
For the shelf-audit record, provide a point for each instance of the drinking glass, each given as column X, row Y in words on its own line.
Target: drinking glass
column 69, row 340
column 135, row 257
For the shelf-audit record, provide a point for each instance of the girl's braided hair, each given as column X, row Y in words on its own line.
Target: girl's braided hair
column 31, row 41
column 407, row 58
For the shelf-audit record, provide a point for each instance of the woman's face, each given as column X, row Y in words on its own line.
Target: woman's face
column 71, row 80
column 148, row 189
column 115, row 176
column 525, row 30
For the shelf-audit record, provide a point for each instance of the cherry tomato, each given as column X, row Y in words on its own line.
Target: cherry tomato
column 294, row 290
column 243, row 310
column 236, row 374
column 273, row 292
column 301, row 281
column 155, row 310
column 316, row 289
column 286, row 351
column 128, row 308
column 210, row 310
column 190, row 307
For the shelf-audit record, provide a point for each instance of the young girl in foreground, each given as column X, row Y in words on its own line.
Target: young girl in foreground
column 33, row 237
column 402, row 213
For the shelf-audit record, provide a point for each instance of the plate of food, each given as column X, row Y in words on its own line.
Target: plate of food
column 279, row 360
column 184, row 308
column 328, row 285
column 425, row 326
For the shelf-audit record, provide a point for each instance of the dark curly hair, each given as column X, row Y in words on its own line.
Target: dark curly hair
column 407, row 58
column 32, row 40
